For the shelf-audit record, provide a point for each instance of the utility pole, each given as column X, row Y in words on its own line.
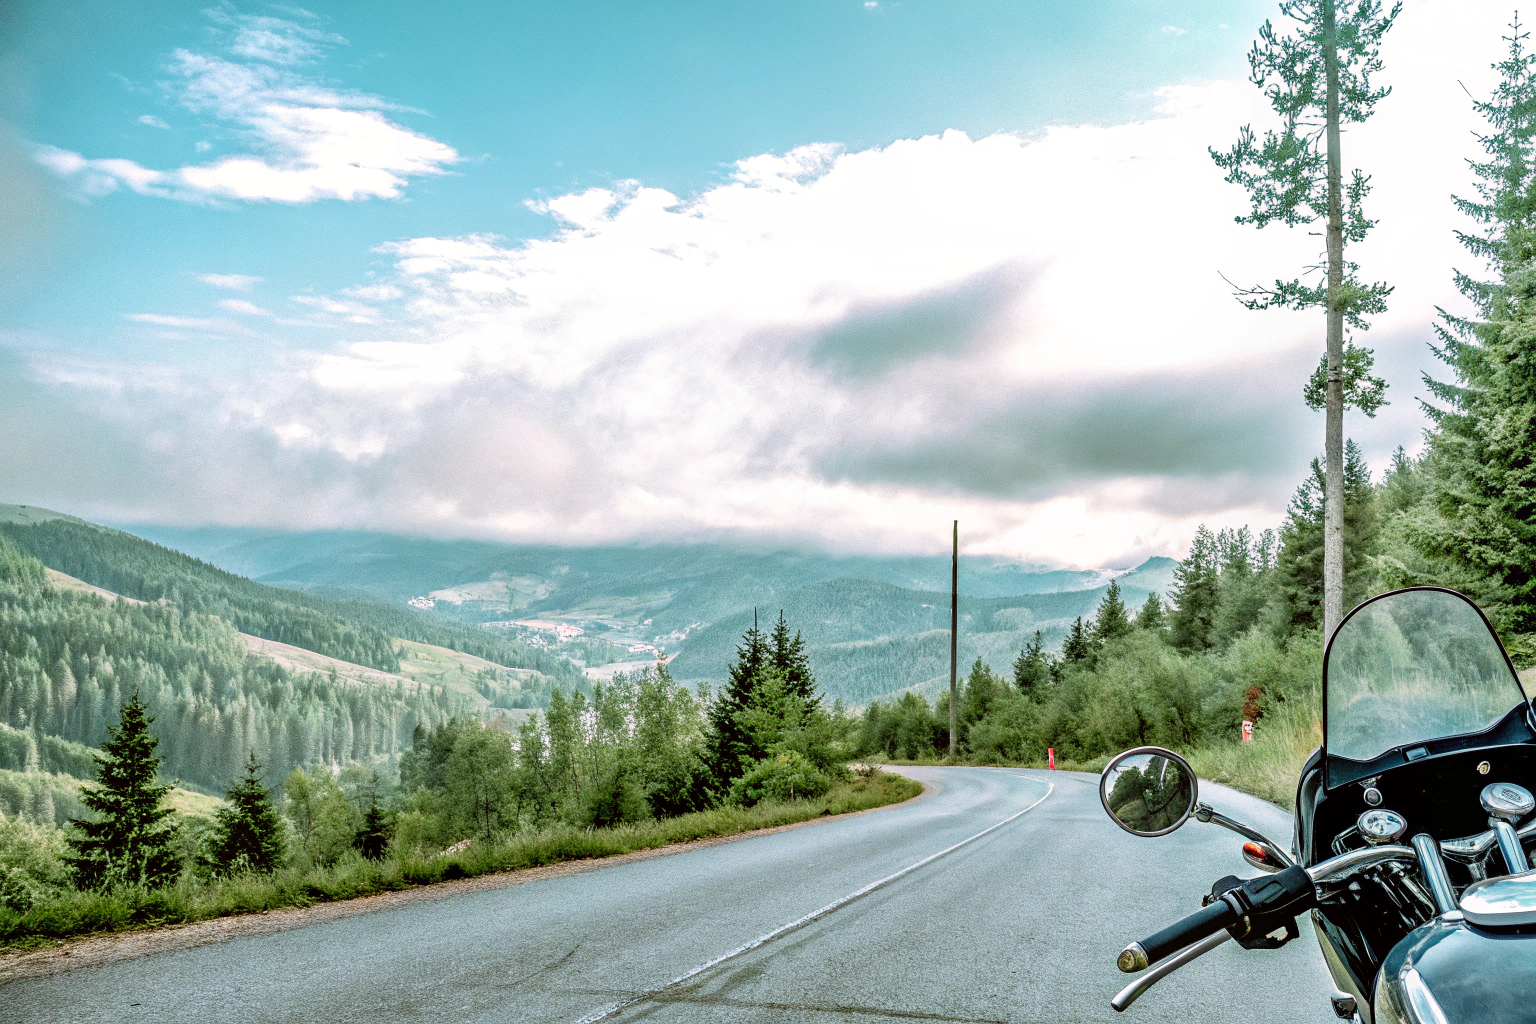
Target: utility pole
column 954, row 632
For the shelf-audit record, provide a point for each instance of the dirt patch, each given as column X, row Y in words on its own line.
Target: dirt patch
column 115, row 947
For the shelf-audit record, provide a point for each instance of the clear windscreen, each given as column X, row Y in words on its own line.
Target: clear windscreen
column 1410, row 667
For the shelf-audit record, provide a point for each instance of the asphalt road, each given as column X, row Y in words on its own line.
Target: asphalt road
column 1022, row 924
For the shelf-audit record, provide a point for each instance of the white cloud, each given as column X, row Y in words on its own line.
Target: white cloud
column 854, row 348
column 354, row 312
column 307, row 142
column 152, row 121
column 1173, row 30
column 234, row 282
column 374, row 292
column 192, row 323
column 241, row 306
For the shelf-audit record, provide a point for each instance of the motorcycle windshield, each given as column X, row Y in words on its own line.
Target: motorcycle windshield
column 1409, row 667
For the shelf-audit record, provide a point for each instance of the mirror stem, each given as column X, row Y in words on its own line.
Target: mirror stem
column 1205, row 812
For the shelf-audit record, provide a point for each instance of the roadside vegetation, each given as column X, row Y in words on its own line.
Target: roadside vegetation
column 1241, row 636
column 643, row 762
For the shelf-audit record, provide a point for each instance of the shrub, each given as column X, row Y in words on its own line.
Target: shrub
column 32, row 863
column 787, row 775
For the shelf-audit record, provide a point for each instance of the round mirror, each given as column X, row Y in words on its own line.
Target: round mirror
column 1149, row 791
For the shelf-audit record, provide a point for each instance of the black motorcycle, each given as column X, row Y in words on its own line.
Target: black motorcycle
column 1412, row 823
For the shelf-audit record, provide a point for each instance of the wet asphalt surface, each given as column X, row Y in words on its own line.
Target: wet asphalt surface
column 1021, row 925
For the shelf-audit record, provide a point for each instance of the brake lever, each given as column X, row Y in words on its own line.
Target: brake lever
column 1157, row 972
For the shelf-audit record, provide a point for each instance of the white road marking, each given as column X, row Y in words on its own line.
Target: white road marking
column 604, row 1012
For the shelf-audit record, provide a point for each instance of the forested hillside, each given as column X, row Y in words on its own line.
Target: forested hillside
column 354, row 631
column 867, row 640
column 69, row 660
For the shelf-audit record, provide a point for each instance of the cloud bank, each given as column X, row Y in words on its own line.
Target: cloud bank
column 306, row 141
column 838, row 348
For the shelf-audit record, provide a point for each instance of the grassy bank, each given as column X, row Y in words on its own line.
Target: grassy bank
column 69, row 914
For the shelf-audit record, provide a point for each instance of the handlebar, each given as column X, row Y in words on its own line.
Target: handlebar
column 1207, row 921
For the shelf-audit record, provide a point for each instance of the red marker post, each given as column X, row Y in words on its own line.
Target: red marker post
column 1050, row 756
column 1247, row 732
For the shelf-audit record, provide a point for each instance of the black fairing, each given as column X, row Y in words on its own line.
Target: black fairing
column 1473, row 973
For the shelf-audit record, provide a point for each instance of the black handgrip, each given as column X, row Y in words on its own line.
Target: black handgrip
column 1193, row 928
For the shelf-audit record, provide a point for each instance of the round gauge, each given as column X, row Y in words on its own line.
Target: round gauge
column 1380, row 826
column 1508, row 801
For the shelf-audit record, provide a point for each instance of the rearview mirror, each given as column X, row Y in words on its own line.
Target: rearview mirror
column 1149, row 791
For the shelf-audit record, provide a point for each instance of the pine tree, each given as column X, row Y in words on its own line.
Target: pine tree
column 1152, row 615
column 1482, row 449
column 1111, row 622
column 1032, row 668
column 248, row 833
column 1196, row 594
column 131, row 839
column 1318, row 79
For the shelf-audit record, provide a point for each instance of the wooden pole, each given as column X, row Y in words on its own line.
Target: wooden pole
column 954, row 632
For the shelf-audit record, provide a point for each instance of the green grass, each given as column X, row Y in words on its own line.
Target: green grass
column 73, row 914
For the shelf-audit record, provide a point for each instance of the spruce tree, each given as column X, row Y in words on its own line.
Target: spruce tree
column 1299, row 569
column 793, row 663
column 1152, row 615
column 131, row 839
column 1196, row 593
column 1078, row 646
column 248, row 833
column 1482, row 449
column 728, row 746
column 1032, row 668
column 373, row 834
column 1318, row 79
column 1111, row 622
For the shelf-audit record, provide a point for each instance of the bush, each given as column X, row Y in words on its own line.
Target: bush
column 785, row 776
column 32, row 864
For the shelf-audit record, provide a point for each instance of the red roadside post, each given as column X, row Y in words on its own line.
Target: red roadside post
column 1050, row 753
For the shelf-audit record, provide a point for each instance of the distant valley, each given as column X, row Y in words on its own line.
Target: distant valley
column 875, row 625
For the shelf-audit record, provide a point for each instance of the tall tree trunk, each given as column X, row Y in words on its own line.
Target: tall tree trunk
column 954, row 637
column 1333, row 442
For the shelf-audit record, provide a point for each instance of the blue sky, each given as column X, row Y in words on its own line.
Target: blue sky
column 311, row 268
column 544, row 99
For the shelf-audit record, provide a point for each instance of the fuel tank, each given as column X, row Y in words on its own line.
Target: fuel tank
column 1452, row 971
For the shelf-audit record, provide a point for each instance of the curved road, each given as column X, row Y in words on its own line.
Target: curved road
column 1021, row 924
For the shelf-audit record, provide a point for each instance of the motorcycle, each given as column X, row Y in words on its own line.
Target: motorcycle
column 1412, row 827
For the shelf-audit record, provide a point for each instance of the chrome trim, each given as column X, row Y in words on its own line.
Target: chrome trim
column 1357, row 860
column 1472, row 848
column 1379, row 826
column 1509, row 846
column 1432, row 865
column 1132, row 959
column 1133, row 991
column 1164, row 752
column 1507, row 800
column 1507, row 902
column 1421, row 1000
column 1207, row 813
